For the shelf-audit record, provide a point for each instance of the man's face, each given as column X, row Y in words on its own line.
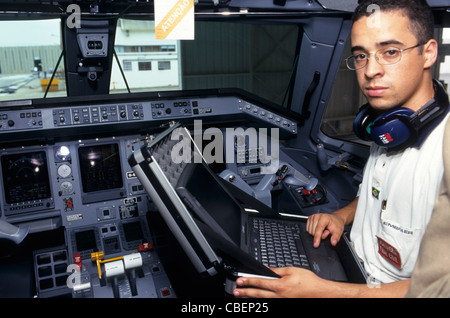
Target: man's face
column 388, row 86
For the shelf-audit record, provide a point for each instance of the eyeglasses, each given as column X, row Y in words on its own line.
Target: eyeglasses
column 386, row 56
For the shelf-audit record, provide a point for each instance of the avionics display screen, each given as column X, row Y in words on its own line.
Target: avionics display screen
column 86, row 241
column 25, row 177
column 100, row 167
column 133, row 231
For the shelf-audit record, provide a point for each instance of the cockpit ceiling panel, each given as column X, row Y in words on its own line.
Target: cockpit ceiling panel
column 145, row 7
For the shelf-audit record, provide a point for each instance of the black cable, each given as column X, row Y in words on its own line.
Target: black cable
column 54, row 72
column 121, row 70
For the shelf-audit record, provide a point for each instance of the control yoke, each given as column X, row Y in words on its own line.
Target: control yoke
column 262, row 191
column 11, row 232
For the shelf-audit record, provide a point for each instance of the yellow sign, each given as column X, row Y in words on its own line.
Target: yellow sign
column 174, row 19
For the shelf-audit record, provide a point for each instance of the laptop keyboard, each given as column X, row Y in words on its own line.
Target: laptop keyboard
column 277, row 244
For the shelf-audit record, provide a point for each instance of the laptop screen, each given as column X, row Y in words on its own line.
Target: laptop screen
column 198, row 186
column 218, row 216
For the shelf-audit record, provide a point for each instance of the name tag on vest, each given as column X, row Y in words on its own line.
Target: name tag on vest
column 389, row 252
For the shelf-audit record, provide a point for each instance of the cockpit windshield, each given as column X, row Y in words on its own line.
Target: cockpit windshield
column 257, row 58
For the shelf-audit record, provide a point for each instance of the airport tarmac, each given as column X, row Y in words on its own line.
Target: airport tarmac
column 28, row 86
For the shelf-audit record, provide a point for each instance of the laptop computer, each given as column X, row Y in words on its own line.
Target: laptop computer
column 222, row 228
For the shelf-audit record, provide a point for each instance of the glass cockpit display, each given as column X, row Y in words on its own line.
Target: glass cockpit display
column 25, row 177
column 101, row 175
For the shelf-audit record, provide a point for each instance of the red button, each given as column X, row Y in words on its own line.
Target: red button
column 145, row 247
column 77, row 260
column 165, row 292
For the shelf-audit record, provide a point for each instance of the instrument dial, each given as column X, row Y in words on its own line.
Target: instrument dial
column 64, row 171
column 66, row 188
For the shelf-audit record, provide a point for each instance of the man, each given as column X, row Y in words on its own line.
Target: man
column 393, row 51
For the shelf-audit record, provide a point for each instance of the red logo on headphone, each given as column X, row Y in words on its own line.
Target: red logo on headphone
column 386, row 138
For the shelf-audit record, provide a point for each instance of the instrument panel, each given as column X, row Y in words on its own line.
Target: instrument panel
column 70, row 117
column 64, row 165
column 86, row 187
column 61, row 176
column 68, row 156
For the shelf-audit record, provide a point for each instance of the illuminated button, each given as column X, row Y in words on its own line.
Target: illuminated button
column 63, row 152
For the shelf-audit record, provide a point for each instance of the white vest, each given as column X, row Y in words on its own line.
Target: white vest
column 396, row 199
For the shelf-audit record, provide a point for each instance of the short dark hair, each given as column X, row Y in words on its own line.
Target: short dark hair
column 418, row 12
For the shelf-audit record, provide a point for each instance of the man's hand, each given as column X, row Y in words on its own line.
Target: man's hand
column 294, row 283
column 321, row 225
column 302, row 283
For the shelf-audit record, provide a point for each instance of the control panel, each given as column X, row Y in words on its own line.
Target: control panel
column 55, row 117
column 97, row 114
column 87, row 187
column 64, row 166
column 20, row 120
column 66, row 176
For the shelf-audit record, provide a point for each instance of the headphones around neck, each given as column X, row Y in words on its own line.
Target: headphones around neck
column 401, row 127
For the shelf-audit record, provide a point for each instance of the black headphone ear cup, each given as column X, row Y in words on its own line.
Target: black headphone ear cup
column 401, row 127
column 393, row 129
column 362, row 122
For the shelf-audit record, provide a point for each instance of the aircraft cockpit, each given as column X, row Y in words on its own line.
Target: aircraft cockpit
column 261, row 87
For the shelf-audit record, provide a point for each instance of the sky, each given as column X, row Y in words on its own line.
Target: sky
column 30, row 33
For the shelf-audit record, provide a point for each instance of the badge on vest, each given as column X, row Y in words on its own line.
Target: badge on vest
column 389, row 252
column 375, row 192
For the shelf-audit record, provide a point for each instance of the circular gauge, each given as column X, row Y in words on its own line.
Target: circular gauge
column 62, row 153
column 64, row 171
column 66, row 187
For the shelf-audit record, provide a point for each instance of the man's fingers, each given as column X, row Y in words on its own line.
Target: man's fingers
column 312, row 223
column 253, row 293
column 325, row 234
column 320, row 232
column 318, row 236
column 254, row 287
column 320, row 226
column 259, row 287
column 335, row 238
column 263, row 283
